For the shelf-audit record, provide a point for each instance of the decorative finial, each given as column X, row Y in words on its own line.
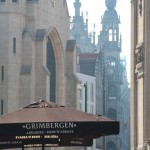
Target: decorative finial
column 86, row 14
column 94, row 27
column 110, row 4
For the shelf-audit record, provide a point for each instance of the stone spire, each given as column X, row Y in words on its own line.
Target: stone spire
column 77, row 6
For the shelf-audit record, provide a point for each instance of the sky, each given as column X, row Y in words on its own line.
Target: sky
column 96, row 9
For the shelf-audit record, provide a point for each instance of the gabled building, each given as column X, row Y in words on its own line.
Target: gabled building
column 87, row 95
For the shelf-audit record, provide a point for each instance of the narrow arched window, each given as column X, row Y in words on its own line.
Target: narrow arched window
column 51, row 65
column 110, row 35
column 112, row 92
column 115, row 35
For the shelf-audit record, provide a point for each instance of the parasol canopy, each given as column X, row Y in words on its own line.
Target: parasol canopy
column 52, row 125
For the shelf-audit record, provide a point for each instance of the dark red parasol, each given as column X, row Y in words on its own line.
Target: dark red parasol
column 49, row 124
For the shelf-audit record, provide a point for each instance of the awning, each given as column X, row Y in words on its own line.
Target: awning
column 49, row 124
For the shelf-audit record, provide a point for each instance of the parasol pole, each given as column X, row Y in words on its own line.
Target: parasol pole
column 43, row 147
column 23, row 147
column 85, row 86
column 43, row 143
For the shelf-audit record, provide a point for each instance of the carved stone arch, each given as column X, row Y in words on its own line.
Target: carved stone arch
column 55, row 40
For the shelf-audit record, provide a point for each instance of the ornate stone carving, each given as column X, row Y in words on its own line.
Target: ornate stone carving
column 53, row 2
column 139, row 60
column 140, row 7
column 139, row 53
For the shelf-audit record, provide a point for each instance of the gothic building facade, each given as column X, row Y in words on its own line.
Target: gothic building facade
column 37, row 59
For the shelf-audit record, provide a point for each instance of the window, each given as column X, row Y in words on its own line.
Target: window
column 32, row 1
column 1, row 107
column 2, row 0
column 110, row 35
column 14, row 45
column 81, row 94
column 113, row 92
column 92, row 92
column 14, row 0
column 77, row 59
column 111, row 65
column 51, row 65
column 2, row 73
column 115, row 35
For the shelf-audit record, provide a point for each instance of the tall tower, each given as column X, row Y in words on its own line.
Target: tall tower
column 109, row 42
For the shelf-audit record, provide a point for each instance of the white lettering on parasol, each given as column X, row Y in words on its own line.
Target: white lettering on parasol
column 50, row 125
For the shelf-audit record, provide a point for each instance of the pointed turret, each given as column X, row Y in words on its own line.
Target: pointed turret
column 77, row 6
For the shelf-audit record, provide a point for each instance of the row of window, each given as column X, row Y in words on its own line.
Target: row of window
column 2, row 67
column 17, row 0
column 12, row 0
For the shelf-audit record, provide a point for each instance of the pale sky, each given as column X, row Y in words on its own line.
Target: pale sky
column 96, row 9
